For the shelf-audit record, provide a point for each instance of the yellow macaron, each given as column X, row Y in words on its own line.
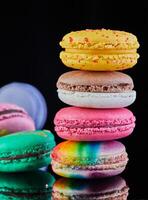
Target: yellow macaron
column 99, row 50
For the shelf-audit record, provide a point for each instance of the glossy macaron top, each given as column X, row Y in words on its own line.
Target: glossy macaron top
column 88, row 153
column 28, row 97
column 88, row 81
column 27, row 142
column 75, row 116
column 99, row 39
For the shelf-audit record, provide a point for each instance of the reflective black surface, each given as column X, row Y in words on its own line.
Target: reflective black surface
column 29, row 185
column 42, row 185
column 29, row 37
column 136, row 184
column 109, row 188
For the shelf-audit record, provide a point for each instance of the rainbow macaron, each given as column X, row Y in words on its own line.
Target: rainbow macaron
column 89, row 159
column 114, row 188
column 87, row 124
column 99, row 50
column 96, row 89
column 25, row 151
column 14, row 119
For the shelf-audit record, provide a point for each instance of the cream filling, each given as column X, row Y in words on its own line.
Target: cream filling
column 102, row 51
column 110, row 166
column 99, row 94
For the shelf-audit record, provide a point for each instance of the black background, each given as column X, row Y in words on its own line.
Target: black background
column 29, row 37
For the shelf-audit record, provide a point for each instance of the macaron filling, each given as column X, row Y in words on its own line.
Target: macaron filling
column 25, row 156
column 93, row 126
column 11, row 111
column 94, row 123
column 8, row 113
column 8, row 157
column 122, row 87
column 101, row 51
column 104, row 163
column 85, row 58
column 111, row 166
column 94, row 130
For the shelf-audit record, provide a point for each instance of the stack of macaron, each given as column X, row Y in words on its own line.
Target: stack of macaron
column 24, row 146
column 97, row 94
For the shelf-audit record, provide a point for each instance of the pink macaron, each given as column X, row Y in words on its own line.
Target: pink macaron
column 14, row 118
column 86, row 124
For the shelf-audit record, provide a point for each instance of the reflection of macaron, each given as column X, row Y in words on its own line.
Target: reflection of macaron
column 29, row 186
column 96, row 89
column 25, row 151
column 110, row 188
column 13, row 119
column 89, row 159
column 86, row 124
column 99, row 50
column 29, row 98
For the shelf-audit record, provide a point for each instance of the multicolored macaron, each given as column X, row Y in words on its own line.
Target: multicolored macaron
column 28, row 186
column 86, row 124
column 89, row 159
column 96, row 89
column 13, row 119
column 28, row 97
column 104, row 189
column 99, row 50
column 25, row 151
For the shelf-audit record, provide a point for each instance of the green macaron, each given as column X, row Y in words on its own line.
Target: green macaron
column 25, row 151
column 28, row 185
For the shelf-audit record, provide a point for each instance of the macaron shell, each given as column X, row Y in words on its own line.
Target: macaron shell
column 97, row 100
column 8, row 106
column 84, row 174
column 94, row 134
column 104, row 81
column 17, row 124
column 26, row 164
column 26, row 141
column 96, row 62
column 76, row 113
column 99, row 39
column 28, row 97
column 85, row 152
column 14, row 119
